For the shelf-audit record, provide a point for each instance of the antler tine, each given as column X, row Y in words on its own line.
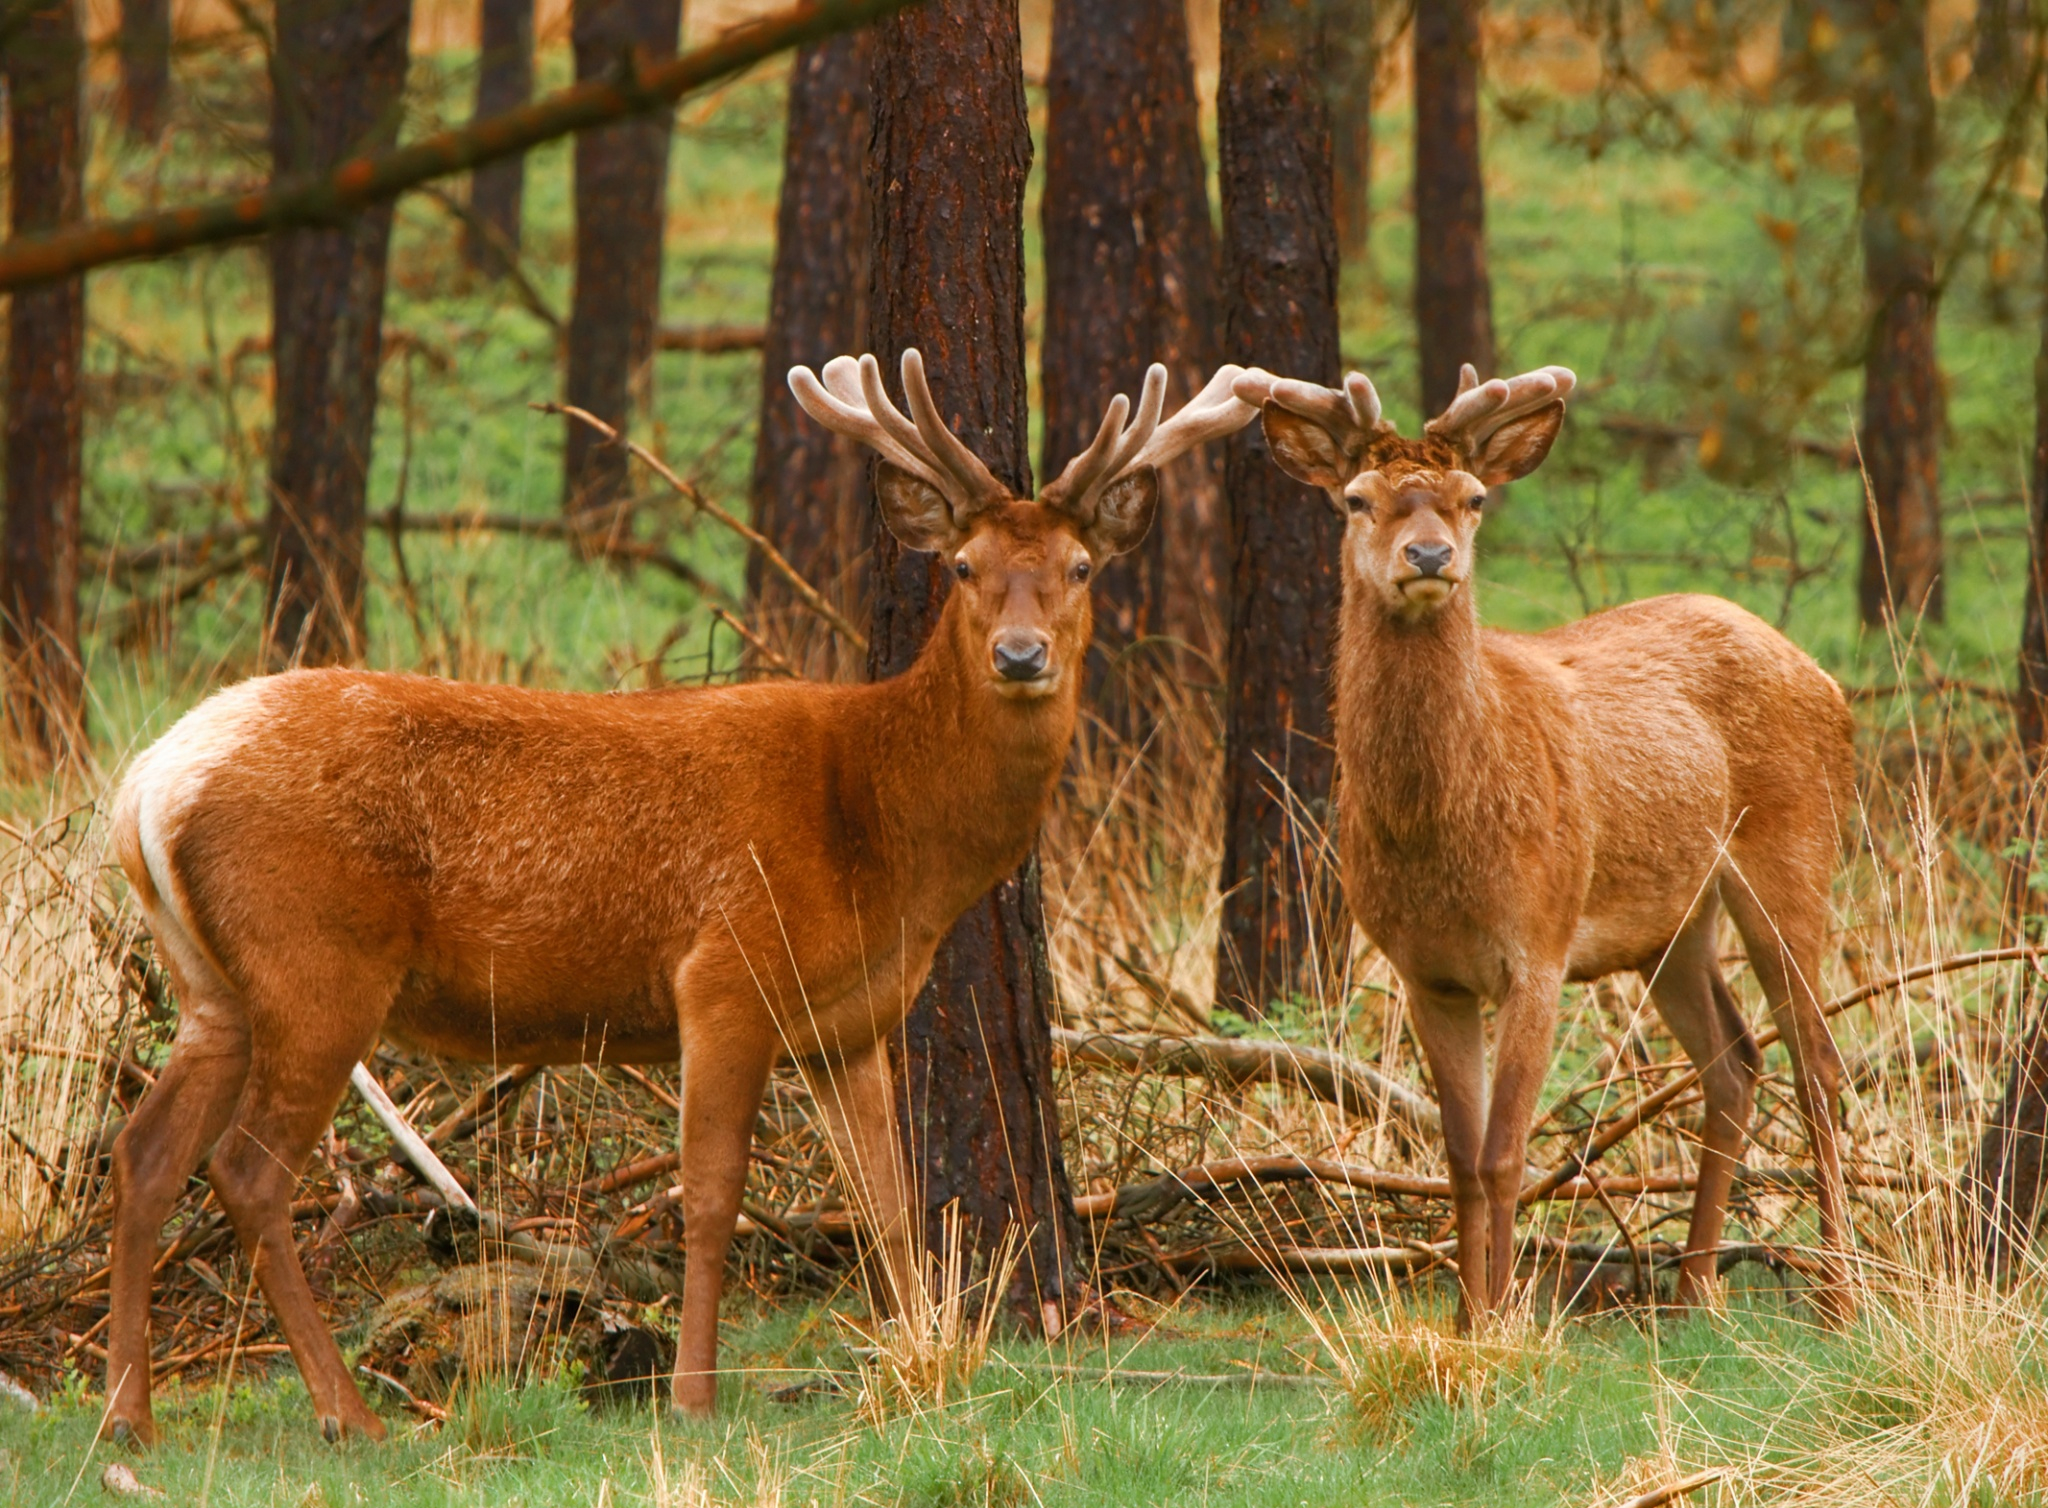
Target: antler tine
column 841, row 403
column 1151, row 404
column 1482, row 408
column 1082, row 476
column 974, row 478
column 1215, row 411
column 1365, row 400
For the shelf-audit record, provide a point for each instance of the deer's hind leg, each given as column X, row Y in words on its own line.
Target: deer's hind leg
column 181, row 1116
column 1784, row 924
column 312, row 1025
column 1697, row 1005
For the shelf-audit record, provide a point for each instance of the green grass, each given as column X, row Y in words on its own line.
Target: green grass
column 1558, row 1433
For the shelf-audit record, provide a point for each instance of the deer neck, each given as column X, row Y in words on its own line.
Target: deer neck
column 963, row 775
column 1414, row 714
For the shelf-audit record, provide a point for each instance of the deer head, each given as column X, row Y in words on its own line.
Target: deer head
column 1411, row 507
column 1021, row 567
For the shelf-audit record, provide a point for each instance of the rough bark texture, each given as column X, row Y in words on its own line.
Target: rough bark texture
column 1130, row 279
column 1453, row 298
column 810, row 487
column 1280, row 279
column 45, row 347
column 144, row 42
column 945, row 174
column 504, row 81
column 1350, row 63
column 2006, row 1181
column 338, row 82
column 1901, row 431
column 621, row 204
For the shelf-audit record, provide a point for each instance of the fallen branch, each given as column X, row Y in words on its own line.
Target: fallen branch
column 1327, row 1075
column 1658, row 1497
column 806, row 594
column 638, row 85
column 1637, row 427
column 481, row 1105
column 710, row 340
column 409, row 1141
column 1653, row 1105
column 1341, row 1261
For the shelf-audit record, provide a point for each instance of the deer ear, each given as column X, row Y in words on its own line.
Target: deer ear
column 1518, row 446
column 915, row 511
column 1123, row 516
column 1305, row 450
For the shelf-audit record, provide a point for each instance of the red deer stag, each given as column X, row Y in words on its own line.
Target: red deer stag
column 745, row 872
column 1518, row 810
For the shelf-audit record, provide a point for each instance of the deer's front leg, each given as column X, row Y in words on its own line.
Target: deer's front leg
column 1453, row 1038
column 1525, row 1034
column 857, row 1096
column 728, row 1048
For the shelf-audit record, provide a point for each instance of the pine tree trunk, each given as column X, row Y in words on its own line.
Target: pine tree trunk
column 39, row 652
column 621, row 206
column 338, row 90
column 145, row 48
column 1282, row 934
column 1998, row 49
column 1453, row 297
column 2006, row 1181
column 1901, row 431
column 1130, row 275
column 504, row 81
column 1350, row 64
column 810, row 488
column 946, row 166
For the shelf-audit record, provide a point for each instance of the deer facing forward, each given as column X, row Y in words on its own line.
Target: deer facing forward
column 739, row 874
column 1519, row 810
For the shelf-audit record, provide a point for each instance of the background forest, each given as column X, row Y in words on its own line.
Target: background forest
column 1793, row 250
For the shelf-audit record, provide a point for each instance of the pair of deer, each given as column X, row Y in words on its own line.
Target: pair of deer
column 327, row 857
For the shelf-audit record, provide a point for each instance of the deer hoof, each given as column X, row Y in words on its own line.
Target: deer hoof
column 330, row 1428
column 131, row 1434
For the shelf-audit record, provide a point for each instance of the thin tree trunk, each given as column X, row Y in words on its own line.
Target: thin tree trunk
column 810, row 487
column 2007, row 1179
column 1281, row 934
column 621, row 206
column 1350, row 66
column 946, row 166
column 1901, row 431
column 39, row 652
column 1453, row 297
column 145, row 47
column 338, row 90
column 1998, row 49
column 504, row 81
column 1130, row 273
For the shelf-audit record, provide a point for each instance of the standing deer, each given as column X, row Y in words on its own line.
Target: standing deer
column 1518, row 810
column 742, row 873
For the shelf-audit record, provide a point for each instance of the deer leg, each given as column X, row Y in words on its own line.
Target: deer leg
column 858, row 1099
column 1453, row 1039
column 1785, row 939
column 1695, row 1003
column 183, row 1114
column 295, row 1084
column 1525, row 1035
column 726, row 1057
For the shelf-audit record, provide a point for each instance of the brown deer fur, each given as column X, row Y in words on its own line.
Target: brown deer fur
column 742, row 873
column 1519, row 810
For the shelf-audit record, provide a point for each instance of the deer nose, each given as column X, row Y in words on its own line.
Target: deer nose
column 1020, row 664
column 1429, row 559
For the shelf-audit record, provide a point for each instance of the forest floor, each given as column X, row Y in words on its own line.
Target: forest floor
column 1700, row 273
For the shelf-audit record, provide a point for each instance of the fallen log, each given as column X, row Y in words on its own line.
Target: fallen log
column 1328, row 1076
column 710, row 340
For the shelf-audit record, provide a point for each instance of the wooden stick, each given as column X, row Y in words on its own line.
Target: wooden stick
column 416, row 1151
column 1658, row 1497
column 710, row 340
column 488, row 1097
column 637, row 86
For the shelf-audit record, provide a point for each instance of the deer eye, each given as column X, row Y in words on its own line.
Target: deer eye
column 1353, row 503
column 1476, row 502
column 963, row 570
column 1081, row 570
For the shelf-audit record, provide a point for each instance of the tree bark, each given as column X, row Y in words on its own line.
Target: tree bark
column 338, row 85
column 39, row 651
column 1998, row 47
column 1453, row 297
column 1130, row 279
column 810, row 488
column 1282, row 934
column 621, row 207
column 504, row 81
column 1901, row 431
column 1350, row 68
column 946, row 165
column 2007, row 1179
column 144, row 43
